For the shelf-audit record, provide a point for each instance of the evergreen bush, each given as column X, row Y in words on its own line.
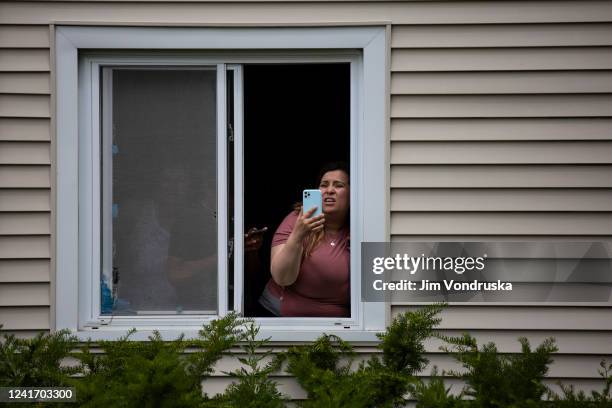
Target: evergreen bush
column 254, row 388
column 36, row 362
column 324, row 368
column 159, row 373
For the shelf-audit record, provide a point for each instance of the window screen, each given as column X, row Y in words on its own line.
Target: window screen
column 159, row 189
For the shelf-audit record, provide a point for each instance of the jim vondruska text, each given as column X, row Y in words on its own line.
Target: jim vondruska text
column 427, row 285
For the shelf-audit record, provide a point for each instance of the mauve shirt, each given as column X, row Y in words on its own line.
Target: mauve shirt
column 322, row 288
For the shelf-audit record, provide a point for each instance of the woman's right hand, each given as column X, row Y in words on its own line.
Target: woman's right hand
column 306, row 223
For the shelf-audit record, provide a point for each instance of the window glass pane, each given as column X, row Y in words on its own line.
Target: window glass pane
column 163, row 204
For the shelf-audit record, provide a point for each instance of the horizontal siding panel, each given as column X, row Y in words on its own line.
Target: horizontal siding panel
column 289, row 12
column 455, row 176
column 14, row 36
column 517, row 82
column 25, row 176
column 25, row 82
column 499, row 238
column 27, row 106
column 582, row 342
column 13, row 223
column 506, row 152
column 24, row 294
column 501, row 200
column 450, row 106
column 24, row 270
column 20, row 247
column 502, row 129
column 506, row 35
column 417, row 223
column 25, row 318
column 504, row 59
column 25, row 153
column 25, row 129
column 25, row 200
column 521, row 318
column 24, row 60
column 562, row 366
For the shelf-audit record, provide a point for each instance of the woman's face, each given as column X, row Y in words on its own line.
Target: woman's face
column 336, row 192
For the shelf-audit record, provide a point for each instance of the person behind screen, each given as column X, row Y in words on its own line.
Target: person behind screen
column 310, row 256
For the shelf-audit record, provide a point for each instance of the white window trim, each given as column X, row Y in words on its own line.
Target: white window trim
column 368, row 164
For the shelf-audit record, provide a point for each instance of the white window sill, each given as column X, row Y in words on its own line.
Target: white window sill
column 280, row 336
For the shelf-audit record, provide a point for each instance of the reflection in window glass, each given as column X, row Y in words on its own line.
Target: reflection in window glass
column 159, row 178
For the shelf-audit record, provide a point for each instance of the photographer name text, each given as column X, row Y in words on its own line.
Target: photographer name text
column 427, row 286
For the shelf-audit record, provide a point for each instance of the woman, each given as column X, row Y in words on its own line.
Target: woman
column 310, row 259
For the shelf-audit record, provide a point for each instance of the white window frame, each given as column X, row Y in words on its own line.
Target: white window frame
column 364, row 47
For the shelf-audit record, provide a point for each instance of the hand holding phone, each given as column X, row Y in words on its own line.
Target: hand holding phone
column 310, row 199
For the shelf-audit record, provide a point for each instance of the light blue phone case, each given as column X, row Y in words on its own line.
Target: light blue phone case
column 312, row 198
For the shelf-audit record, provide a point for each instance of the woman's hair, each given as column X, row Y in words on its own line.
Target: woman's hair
column 331, row 166
column 313, row 240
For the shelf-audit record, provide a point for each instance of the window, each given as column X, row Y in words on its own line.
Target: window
column 161, row 134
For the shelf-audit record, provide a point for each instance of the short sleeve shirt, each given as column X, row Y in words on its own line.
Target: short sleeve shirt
column 322, row 288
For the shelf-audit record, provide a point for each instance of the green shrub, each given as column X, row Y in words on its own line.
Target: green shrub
column 154, row 373
column 158, row 373
column 573, row 399
column 434, row 393
column 499, row 380
column 254, row 388
column 36, row 362
column 324, row 368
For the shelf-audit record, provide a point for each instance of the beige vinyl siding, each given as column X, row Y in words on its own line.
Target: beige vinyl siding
column 24, row 60
column 528, row 129
column 25, row 247
column 526, row 82
column 14, row 129
column 503, row 132
column 500, row 128
column 494, row 176
column 25, row 178
column 24, row 270
column 25, row 106
column 24, row 36
column 25, row 82
column 24, row 294
column 25, row 200
column 511, row 199
column 28, row 317
column 514, row 35
column 507, row 152
column 500, row 59
column 303, row 12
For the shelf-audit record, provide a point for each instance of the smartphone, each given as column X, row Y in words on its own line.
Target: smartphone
column 312, row 198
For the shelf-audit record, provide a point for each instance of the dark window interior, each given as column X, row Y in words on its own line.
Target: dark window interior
column 296, row 118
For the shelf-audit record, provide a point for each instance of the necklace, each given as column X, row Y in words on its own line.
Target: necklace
column 332, row 238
